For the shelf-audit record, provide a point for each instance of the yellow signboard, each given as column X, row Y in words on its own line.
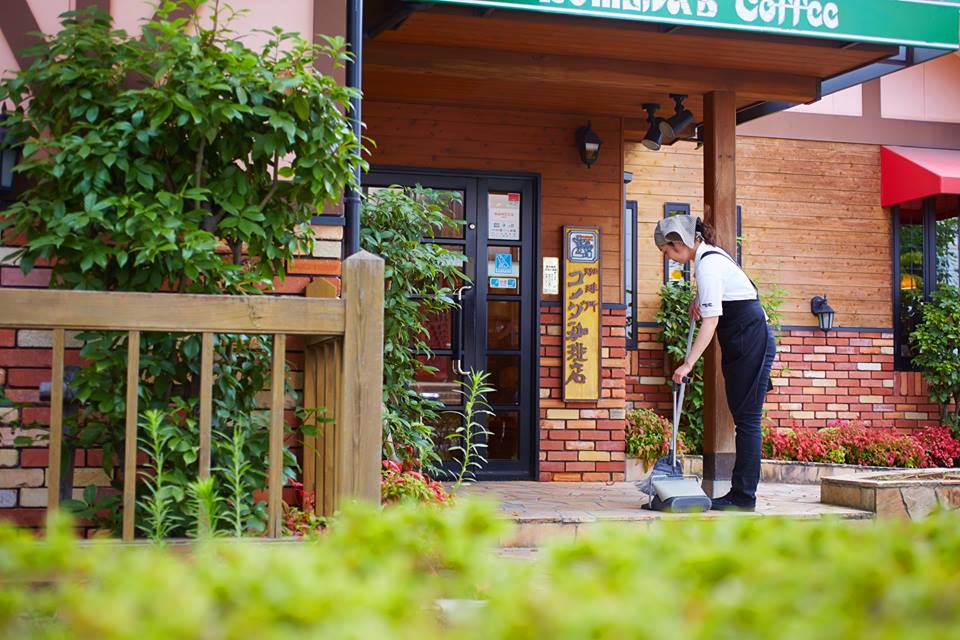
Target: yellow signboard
column 581, row 313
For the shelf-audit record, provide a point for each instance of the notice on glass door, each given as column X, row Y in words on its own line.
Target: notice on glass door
column 504, row 213
column 581, row 313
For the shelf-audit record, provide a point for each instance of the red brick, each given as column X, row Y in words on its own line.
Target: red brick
column 13, row 277
column 580, row 466
column 314, row 266
column 32, row 458
column 28, row 377
column 8, row 337
column 25, row 517
column 596, row 477
column 25, row 357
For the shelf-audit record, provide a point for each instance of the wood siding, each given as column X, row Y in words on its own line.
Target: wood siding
column 812, row 223
column 478, row 140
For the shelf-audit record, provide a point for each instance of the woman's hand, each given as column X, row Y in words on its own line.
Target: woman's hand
column 694, row 310
column 682, row 372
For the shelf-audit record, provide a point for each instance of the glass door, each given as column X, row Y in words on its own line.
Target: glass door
column 493, row 329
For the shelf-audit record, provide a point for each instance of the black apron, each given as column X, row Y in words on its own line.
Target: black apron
column 745, row 345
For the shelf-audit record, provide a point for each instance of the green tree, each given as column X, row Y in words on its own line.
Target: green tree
column 936, row 347
column 182, row 160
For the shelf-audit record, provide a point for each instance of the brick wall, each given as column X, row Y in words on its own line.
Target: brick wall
column 25, row 361
column 843, row 375
column 582, row 441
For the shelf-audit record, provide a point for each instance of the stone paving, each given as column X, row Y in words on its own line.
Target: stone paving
column 546, row 509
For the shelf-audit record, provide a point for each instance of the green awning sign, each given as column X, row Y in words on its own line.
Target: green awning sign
column 924, row 23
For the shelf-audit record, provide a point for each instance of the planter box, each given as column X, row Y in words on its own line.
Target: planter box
column 787, row 472
column 907, row 494
column 635, row 471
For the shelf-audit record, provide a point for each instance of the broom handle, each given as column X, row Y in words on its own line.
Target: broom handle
column 678, row 398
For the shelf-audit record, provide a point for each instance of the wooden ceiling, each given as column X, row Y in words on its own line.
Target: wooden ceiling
column 532, row 61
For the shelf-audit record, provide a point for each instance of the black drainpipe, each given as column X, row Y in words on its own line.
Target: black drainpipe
column 351, row 198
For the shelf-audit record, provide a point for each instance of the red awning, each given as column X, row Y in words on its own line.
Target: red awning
column 909, row 174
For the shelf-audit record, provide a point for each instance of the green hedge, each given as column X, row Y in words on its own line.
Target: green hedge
column 379, row 575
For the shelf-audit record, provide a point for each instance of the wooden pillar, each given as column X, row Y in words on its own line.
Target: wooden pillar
column 720, row 200
column 359, row 437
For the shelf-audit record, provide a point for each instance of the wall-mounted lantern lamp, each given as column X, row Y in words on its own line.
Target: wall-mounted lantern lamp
column 673, row 126
column 823, row 311
column 9, row 153
column 588, row 144
column 654, row 134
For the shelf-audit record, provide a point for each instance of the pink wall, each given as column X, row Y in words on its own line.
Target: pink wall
column 929, row 92
column 290, row 15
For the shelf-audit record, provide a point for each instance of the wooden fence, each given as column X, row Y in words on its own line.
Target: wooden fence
column 343, row 372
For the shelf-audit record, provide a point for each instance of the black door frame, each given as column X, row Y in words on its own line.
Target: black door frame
column 475, row 184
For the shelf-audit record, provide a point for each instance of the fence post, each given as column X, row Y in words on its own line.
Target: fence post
column 360, row 436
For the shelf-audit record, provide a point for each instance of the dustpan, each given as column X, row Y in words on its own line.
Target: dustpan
column 669, row 488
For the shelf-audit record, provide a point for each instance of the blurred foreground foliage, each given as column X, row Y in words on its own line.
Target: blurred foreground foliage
column 399, row 572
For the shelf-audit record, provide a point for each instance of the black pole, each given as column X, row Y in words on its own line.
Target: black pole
column 351, row 198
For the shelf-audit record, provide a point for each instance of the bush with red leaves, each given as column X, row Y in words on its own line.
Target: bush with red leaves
column 853, row 443
column 402, row 482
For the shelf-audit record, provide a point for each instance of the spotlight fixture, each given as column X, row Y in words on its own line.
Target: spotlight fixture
column 823, row 311
column 654, row 134
column 588, row 143
column 673, row 126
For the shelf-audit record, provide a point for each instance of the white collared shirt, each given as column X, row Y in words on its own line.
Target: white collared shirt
column 719, row 280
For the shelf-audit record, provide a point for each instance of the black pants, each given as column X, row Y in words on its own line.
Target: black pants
column 748, row 349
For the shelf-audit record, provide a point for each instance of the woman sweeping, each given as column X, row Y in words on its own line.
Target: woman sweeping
column 728, row 305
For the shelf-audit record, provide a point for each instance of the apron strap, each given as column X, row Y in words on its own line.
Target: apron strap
column 720, row 253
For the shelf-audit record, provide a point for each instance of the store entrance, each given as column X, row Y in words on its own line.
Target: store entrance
column 494, row 329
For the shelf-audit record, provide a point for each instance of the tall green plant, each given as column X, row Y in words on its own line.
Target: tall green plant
column 185, row 161
column 157, row 505
column 674, row 321
column 936, row 347
column 421, row 280
column 469, row 439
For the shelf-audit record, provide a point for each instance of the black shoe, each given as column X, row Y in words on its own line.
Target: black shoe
column 731, row 502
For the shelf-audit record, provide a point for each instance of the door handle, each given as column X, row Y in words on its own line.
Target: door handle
column 458, row 351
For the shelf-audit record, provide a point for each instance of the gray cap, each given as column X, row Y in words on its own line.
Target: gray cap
column 682, row 227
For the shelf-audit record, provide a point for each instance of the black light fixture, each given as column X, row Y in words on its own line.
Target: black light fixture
column 9, row 154
column 588, row 143
column 673, row 126
column 654, row 134
column 823, row 311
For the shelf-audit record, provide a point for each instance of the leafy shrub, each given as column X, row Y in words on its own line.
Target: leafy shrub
column 403, row 482
column 845, row 442
column 674, row 320
column 420, row 280
column 648, row 436
column 935, row 341
column 302, row 521
column 381, row 574
column 155, row 165
column 939, row 446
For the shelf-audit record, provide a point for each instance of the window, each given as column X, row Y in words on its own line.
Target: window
column 674, row 271
column 926, row 253
column 630, row 270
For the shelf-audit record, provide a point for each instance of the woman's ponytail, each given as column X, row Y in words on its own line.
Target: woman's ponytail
column 707, row 231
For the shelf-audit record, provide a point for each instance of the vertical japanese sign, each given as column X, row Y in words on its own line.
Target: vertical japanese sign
column 581, row 313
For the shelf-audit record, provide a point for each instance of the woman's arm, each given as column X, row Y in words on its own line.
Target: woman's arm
column 708, row 326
